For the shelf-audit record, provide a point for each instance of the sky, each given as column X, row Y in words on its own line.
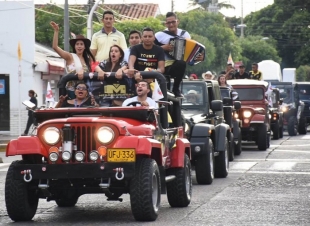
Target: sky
column 180, row 5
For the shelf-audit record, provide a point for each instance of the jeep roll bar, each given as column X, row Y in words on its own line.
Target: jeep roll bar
column 145, row 75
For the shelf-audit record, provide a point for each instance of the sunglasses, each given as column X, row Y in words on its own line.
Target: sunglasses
column 81, row 88
column 171, row 22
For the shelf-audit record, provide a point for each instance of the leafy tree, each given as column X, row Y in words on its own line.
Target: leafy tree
column 303, row 73
column 255, row 49
column 206, row 3
column 287, row 22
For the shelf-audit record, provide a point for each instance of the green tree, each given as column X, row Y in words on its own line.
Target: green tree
column 303, row 73
column 287, row 22
column 206, row 3
column 255, row 49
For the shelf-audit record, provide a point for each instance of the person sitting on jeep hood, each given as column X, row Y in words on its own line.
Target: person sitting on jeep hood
column 143, row 88
column 82, row 99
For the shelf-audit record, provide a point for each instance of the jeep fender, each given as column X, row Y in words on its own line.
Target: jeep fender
column 177, row 152
column 236, row 124
column 258, row 119
column 220, row 135
column 26, row 145
column 202, row 130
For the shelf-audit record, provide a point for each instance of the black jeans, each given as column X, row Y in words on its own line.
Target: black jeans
column 29, row 123
column 176, row 71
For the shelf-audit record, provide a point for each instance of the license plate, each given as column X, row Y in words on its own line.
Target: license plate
column 121, row 155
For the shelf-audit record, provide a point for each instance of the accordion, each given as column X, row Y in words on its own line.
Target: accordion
column 186, row 50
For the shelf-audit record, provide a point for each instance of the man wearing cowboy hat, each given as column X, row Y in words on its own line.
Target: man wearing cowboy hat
column 207, row 75
column 106, row 37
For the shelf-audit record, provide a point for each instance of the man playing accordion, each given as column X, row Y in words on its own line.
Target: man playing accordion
column 173, row 68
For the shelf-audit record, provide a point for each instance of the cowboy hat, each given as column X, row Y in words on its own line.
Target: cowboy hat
column 82, row 38
column 207, row 73
column 192, row 92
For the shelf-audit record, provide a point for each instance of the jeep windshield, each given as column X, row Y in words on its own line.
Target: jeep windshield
column 250, row 93
column 286, row 92
column 193, row 95
column 225, row 93
column 304, row 92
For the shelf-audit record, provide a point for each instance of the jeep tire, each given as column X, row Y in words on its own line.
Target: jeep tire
column 262, row 137
column 302, row 125
column 21, row 202
column 231, row 148
column 145, row 190
column 204, row 166
column 179, row 190
column 238, row 147
column 67, row 201
column 276, row 131
column 222, row 162
column 292, row 126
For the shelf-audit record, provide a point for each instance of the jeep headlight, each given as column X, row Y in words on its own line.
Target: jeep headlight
column 247, row 114
column 105, row 134
column 51, row 135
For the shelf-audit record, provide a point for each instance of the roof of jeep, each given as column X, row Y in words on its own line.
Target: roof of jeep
column 247, row 82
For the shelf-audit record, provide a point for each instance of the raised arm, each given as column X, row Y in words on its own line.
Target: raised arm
column 64, row 54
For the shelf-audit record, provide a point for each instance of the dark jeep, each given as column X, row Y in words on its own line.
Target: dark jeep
column 209, row 136
column 230, row 107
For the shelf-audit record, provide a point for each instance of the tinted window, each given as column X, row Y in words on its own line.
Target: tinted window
column 225, row 93
column 193, row 94
column 250, row 93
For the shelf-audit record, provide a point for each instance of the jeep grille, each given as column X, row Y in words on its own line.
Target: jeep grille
column 85, row 138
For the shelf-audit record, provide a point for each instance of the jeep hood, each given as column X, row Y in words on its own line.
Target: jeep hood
column 196, row 115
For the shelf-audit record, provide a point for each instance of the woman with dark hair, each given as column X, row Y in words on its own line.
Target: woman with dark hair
column 30, row 120
column 222, row 81
column 82, row 99
column 104, row 90
column 77, row 62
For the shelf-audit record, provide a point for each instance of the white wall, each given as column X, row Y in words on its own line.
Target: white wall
column 18, row 25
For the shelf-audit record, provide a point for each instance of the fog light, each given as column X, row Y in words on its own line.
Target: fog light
column 79, row 156
column 197, row 149
column 93, row 156
column 53, row 156
column 246, row 120
column 66, row 156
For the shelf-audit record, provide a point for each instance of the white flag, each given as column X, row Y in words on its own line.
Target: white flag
column 157, row 93
column 49, row 94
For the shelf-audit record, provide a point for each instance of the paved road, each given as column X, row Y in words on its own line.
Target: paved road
column 263, row 188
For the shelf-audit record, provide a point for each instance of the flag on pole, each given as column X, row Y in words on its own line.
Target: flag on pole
column 49, row 94
column 157, row 93
column 230, row 60
column 19, row 52
column 73, row 36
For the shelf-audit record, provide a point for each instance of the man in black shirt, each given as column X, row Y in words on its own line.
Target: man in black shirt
column 229, row 72
column 146, row 56
column 241, row 74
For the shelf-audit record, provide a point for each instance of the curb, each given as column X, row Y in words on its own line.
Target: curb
column 2, row 148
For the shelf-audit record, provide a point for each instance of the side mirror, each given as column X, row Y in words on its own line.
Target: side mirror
column 227, row 101
column 216, row 105
column 237, row 105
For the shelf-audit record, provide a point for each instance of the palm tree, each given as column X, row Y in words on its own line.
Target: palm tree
column 206, row 3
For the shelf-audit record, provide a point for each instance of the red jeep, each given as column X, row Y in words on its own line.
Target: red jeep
column 111, row 150
column 254, row 112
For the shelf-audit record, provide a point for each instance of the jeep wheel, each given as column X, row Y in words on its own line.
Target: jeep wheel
column 21, row 201
column 179, row 190
column 238, row 147
column 281, row 132
column 145, row 189
column 292, row 126
column 275, row 131
column 204, row 166
column 222, row 162
column 262, row 137
column 231, row 148
column 302, row 125
column 67, row 201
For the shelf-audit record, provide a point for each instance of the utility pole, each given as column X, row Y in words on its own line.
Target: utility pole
column 172, row 5
column 242, row 27
column 66, row 27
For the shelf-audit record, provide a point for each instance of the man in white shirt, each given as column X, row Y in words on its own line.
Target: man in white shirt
column 134, row 39
column 143, row 88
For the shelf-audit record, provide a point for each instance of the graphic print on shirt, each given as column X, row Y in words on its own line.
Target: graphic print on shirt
column 147, row 60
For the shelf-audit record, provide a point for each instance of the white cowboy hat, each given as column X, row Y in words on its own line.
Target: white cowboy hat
column 207, row 73
column 192, row 92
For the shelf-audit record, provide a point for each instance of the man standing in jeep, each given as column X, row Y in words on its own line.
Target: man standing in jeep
column 241, row 74
column 174, row 68
column 255, row 73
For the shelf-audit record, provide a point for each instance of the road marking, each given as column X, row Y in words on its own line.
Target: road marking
column 276, row 172
column 241, row 165
column 273, row 160
column 282, row 166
